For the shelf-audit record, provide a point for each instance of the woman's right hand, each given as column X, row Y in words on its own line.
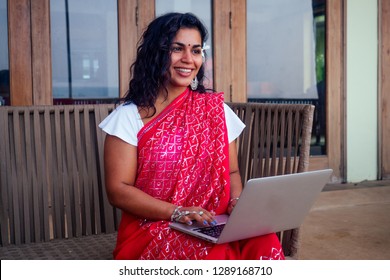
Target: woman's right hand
column 187, row 215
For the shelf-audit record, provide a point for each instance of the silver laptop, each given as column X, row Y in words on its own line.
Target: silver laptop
column 266, row 205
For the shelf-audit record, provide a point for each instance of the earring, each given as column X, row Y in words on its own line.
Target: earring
column 194, row 83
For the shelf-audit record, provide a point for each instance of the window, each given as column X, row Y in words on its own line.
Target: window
column 286, row 56
column 84, row 42
column 202, row 9
column 4, row 61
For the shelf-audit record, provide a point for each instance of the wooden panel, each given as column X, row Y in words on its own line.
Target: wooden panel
column 91, row 200
column 238, row 51
column 41, row 52
column 222, row 58
column 335, row 87
column 127, row 40
column 76, row 191
column 146, row 13
column 5, row 155
column 319, row 162
column 384, row 104
column 41, row 217
column 17, row 181
column 26, row 190
column 20, row 60
column 55, row 167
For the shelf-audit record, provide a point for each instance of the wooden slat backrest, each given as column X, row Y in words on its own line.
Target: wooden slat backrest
column 52, row 180
column 276, row 141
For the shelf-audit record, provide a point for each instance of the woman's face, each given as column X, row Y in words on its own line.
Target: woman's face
column 186, row 58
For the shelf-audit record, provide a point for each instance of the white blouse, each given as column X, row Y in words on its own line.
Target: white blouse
column 125, row 123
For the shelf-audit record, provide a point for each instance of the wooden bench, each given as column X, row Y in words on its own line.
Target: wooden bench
column 52, row 194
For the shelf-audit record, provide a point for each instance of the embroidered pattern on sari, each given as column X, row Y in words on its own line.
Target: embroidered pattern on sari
column 276, row 254
column 183, row 159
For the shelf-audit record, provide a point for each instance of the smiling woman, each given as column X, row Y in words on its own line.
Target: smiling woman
column 154, row 69
column 170, row 153
column 203, row 10
column 186, row 60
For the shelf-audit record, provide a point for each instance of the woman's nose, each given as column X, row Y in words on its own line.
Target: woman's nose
column 187, row 55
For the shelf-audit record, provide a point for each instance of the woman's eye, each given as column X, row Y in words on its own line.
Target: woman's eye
column 197, row 51
column 176, row 49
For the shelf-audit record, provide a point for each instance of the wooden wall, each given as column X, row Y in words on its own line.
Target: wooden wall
column 384, row 84
column 30, row 62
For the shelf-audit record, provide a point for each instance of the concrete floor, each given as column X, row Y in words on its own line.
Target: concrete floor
column 348, row 222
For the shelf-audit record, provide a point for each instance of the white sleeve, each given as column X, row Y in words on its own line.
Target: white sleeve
column 233, row 123
column 124, row 122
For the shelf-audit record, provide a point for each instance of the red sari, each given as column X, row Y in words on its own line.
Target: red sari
column 183, row 159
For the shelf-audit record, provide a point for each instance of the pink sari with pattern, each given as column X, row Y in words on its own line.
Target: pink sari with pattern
column 183, row 159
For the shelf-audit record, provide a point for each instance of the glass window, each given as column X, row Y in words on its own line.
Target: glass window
column 202, row 9
column 84, row 42
column 4, row 62
column 286, row 56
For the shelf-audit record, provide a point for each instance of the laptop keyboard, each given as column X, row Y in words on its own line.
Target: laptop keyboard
column 214, row 231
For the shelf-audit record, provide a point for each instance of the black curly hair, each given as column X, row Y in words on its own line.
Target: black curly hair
column 151, row 67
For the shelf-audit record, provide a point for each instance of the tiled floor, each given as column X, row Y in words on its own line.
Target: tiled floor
column 348, row 222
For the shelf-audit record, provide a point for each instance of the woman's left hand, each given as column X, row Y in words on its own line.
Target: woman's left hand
column 231, row 205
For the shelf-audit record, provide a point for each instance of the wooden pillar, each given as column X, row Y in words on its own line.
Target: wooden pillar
column 146, row 13
column 20, row 59
column 41, row 52
column 127, row 40
column 238, row 51
column 29, row 52
column 229, row 23
column 133, row 18
column 335, row 87
column 384, row 85
column 222, row 53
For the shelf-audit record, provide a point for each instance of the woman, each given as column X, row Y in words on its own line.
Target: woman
column 170, row 153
